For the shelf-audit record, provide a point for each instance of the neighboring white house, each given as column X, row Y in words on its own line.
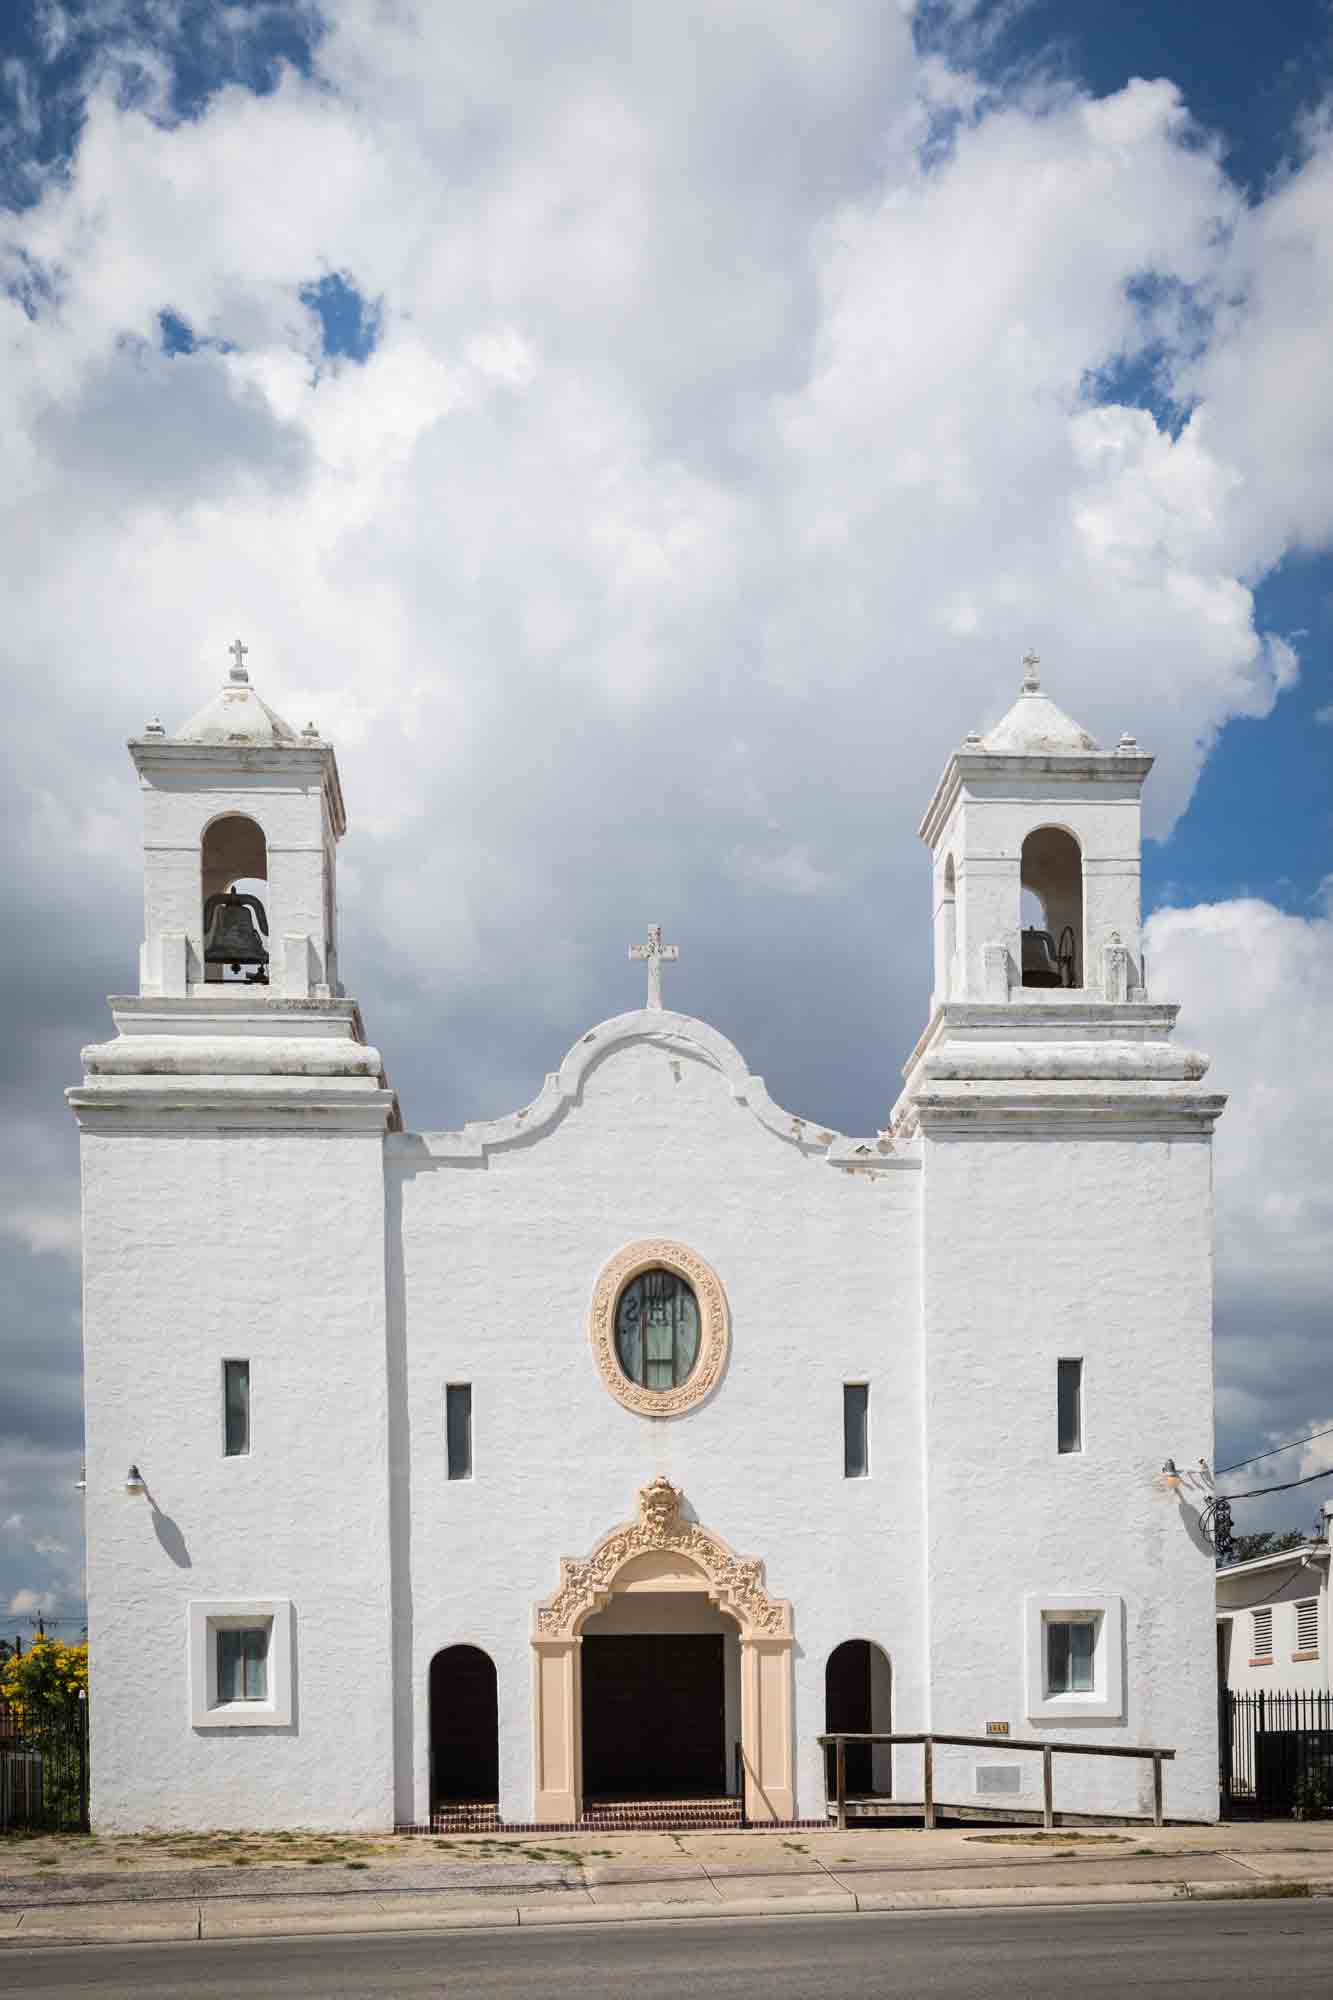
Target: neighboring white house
column 559, row 1456
column 1273, row 1620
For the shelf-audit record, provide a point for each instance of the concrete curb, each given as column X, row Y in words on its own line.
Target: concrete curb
column 58, row 1927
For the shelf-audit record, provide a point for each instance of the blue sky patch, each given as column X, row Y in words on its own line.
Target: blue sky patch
column 198, row 47
column 349, row 323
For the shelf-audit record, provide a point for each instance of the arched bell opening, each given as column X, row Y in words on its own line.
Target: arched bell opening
column 858, row 1698
column 1051, row 875
column 464, row 1728
column 233, row 872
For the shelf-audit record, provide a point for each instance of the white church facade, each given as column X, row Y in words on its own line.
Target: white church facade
column 616, row 1448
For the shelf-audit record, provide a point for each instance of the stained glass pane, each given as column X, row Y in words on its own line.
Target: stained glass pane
column 657, row 1329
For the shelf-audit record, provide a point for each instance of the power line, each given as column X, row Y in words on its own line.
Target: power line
column 1241, row 1463
column 1256, row 1491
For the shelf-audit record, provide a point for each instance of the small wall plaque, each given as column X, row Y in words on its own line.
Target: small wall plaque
column 997, row 1729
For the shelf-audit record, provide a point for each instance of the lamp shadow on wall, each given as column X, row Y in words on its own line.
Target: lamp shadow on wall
column 170, row 1539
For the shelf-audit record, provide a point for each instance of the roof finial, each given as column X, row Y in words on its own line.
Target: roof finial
column 238, row 653
column 1031, row 677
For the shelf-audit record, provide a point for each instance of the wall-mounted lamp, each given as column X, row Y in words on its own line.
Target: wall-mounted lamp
column 1170, row 1477
column 81, row 1483
column 134, row 1480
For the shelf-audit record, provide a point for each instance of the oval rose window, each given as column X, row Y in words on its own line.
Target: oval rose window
column 657, row 1329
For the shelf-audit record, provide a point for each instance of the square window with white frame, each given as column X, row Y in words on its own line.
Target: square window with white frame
column 1075, row 1657
column 241, row 1663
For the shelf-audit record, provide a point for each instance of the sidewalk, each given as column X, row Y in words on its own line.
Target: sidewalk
column 81, row 1892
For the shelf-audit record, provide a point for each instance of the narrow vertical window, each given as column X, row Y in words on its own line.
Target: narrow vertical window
column 1069, row 1404
column 856, row 1430
column 236, row 1408
column 1261, row 1623
column 458, row 1429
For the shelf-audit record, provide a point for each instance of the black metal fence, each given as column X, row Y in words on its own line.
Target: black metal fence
column 44, row 1773
column 1275, row 1755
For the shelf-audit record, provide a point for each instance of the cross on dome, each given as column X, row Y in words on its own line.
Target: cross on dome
column 656, row 955
column 238, row 653
column 1031, row 677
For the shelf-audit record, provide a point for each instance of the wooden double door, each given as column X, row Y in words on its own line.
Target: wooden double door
column 654, row 1708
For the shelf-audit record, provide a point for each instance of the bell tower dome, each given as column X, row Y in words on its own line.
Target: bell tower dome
column 242, row 816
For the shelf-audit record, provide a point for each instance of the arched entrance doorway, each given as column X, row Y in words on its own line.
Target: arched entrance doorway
column 464, row 1728
column 663, row 1556
column 858, row 1696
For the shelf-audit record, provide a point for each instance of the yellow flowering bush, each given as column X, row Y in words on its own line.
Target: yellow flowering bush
column 43, row 1685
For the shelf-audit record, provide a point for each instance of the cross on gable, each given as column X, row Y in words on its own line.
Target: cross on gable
column 238, row 653
column 656, row 955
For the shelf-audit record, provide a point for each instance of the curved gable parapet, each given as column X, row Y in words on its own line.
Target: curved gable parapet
column 677, row 1033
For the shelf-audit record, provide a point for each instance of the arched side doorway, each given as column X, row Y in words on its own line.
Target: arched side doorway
column 661, row 1554
column 464, row 1728
column 858, row 1696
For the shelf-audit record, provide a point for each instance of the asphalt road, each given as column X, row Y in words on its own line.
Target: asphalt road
column 1216, row 1950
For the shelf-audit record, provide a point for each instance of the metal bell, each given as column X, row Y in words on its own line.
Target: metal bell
column 230, row 936
column 1043, row 964
column 1041, row 967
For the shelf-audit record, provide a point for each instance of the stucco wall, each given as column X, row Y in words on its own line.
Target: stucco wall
column 201, row 1244
column 1100, row 1247
column 498, row 1264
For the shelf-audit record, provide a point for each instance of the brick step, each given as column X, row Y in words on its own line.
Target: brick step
column 465, row 1819
column 678, row 1813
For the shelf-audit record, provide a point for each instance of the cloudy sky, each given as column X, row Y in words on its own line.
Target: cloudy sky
column 646, row 438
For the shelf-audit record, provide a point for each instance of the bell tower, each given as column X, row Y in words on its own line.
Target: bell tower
column 242, row 817
column 1064, row 1143
column 1035, row 834
column 231, row 1139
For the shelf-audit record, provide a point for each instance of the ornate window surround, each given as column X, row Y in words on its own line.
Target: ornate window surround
column 714, row 1326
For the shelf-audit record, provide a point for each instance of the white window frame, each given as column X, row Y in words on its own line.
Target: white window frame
column 1258, row 1652
column 1105, row 1702
column 208, row 1617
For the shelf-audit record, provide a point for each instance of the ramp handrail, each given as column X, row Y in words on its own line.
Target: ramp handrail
column 840, row 1738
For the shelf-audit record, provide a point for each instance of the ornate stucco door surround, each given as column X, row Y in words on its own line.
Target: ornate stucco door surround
column 661, row 1551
